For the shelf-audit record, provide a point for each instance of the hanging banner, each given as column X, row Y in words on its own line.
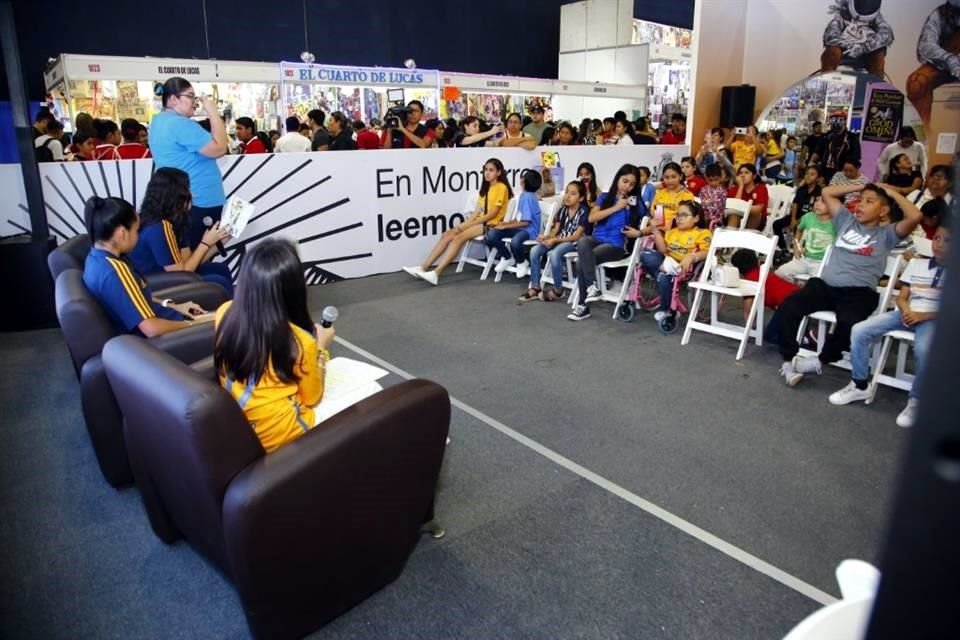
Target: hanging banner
column 884, row 116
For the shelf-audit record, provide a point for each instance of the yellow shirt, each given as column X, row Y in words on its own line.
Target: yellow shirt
column 671, row 202
column 743, row 153
column 680, row 243
column 773, row 149
column 497, row 196
column 280, row 411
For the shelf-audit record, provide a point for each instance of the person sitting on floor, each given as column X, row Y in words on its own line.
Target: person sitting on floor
column 492, row 203
column 775, row 291
column 569, row 225
column 613, row 210
column 814, row 235
column 713, row 196
column 113, row 280
column 678, row 249
column 750, row 189
column 525, row 226
column 920, row 289
column 164, row 215
column 848, row 286
column 269, row 354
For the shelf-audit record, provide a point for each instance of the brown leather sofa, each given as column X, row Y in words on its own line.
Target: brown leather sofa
column 305, row 532
column 176, row 285
column 86, row 329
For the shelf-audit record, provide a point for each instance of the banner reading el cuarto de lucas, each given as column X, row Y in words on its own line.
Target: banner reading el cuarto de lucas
column 354, row 213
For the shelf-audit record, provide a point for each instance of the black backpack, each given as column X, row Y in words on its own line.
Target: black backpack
column 43, row 152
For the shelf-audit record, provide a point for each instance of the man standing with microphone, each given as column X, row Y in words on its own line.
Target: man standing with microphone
column 178, row 141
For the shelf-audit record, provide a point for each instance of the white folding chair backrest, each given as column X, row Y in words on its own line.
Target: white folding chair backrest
column 548, row 211
column 749, row 239
column 823, row 263
column 743, row 206
column 470, row 205
column 892, row 273
column 781, row 197
column 512, row 209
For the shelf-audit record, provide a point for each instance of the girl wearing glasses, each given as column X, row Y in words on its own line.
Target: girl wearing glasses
column 178, row 141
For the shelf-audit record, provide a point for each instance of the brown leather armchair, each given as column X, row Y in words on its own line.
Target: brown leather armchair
column 305, row 532
column 176, row 285
column 86, row 329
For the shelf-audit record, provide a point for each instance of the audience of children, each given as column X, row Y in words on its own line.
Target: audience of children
column 524, row 226
column 917, row 305
column 613, row 211
column 588, row 176
column 814, row 235
column 671, row 192
column 713, row 196
column 569, row 225
column 678, row 248
column 749, row 188
column 692, row 179
column 492, row 202
column 848, row 285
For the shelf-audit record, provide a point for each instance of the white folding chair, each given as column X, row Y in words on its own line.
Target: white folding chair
column 900, row 379
column 548, row 209
column 826, row 320
column 630, row 262
column 741, row 207
column 732, row 239
column 485, row 263
column 803, row 277
column 781, row 197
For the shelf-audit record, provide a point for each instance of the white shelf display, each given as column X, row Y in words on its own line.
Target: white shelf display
column 811, row 100
column 118, row 87
column 669, row 87
column 359, row 92
column 492, row 98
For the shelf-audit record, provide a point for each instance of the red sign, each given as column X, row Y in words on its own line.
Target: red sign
column 288, row 73
column 93, row 68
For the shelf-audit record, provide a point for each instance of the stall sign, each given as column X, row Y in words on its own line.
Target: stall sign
column 120, row 68
column 481, row 84
column 383, row 76
column 586, row 89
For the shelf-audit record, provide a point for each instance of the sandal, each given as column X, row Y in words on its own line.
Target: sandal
column 551, row 295
column 533, row 293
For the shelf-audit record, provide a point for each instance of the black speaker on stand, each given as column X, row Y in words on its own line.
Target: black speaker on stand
column 737, row 105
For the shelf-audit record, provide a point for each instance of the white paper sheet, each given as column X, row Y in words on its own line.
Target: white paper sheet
column 347, row 382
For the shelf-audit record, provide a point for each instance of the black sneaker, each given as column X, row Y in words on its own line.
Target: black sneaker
column 580, row 312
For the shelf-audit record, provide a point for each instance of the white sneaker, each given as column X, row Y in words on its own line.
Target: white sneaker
column 504, row 264
column 807, row 364
column 908, row 416
column 416, row 272
column 429, row 276
column 523, row 270
column 850, row 393
column 660, row 315
column 593, row 293
column 790, row 375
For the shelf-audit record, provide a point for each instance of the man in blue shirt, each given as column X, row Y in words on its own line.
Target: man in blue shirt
column 116, row 284
column 178, row 141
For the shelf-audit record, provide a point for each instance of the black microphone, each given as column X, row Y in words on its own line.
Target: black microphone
column 328, row 317
column 208, row 222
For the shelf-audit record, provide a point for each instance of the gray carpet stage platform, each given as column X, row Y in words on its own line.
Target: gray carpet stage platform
column 561, row 432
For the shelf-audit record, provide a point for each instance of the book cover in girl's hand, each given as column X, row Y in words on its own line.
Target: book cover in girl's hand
column 236, row 215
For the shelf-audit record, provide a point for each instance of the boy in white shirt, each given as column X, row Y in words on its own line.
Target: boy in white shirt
column 920, row 287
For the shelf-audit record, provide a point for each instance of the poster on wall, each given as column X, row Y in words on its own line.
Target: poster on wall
column 884, row 115
column 938, row 49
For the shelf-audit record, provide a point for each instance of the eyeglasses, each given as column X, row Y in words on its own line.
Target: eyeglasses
column 682, row 215
column 192, row 96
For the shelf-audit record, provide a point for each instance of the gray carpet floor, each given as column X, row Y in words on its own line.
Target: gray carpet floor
column 532, row 549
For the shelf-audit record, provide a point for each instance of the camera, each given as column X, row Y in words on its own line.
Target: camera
column 396, row 117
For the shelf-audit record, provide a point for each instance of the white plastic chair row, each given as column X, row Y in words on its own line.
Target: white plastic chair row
column 781, row 199
column 724, row 239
